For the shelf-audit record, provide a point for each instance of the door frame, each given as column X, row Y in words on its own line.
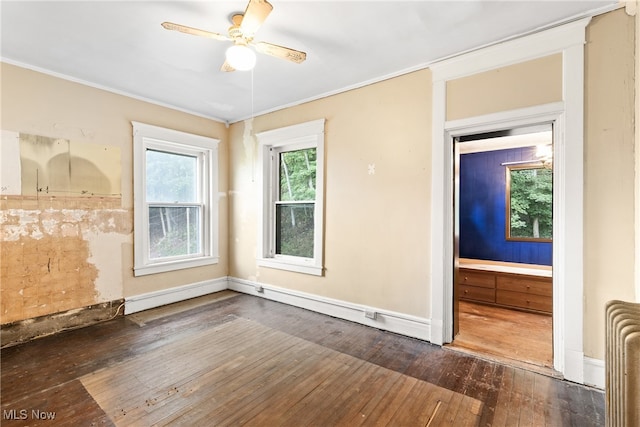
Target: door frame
column 542, row 115
column 567, row 117
column 491, row 146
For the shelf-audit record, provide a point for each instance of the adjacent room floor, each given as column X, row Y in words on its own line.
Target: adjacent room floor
column 510, row 336
column 243, row 360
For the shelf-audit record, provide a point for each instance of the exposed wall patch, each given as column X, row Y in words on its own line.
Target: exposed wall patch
column 45, row 276
column 47, row 261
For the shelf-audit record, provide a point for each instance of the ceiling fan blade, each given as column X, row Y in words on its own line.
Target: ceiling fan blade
column 193, row 31
column 281, row 52
column 255, row 14
column 226, row 67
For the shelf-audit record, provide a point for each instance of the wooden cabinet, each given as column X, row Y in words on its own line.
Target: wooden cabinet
column 529, row 292
column 477, row 286
column 477, row 293
column 526, row 292
column 477, row 278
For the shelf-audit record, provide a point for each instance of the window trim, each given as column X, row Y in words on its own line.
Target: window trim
column 206, row 150
column 297, row 137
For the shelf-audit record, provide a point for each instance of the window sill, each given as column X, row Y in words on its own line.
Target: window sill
column 290, row 266
column 174, row 265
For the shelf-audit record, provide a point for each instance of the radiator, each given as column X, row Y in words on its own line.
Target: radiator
column 622, row 360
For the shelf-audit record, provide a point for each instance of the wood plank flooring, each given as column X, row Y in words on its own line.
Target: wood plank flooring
column 84, row 376
column 230, row 374
column 512, row 336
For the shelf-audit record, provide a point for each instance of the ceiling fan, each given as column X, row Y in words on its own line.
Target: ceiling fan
column 241, row 33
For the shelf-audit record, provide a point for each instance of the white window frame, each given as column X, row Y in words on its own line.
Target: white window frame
column 147, row 137
column 272, row 142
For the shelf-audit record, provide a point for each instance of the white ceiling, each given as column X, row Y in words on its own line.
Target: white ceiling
column 120, row 45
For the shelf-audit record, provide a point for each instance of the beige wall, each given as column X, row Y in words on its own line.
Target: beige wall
column 68, row 251
column 637, row 143
column 609, row 171
column 530, row 83
column 376, row 226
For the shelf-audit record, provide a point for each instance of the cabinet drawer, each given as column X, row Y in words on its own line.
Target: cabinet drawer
column 526, row 285
column 475, row 278
column 523, row 300
column 477, row 293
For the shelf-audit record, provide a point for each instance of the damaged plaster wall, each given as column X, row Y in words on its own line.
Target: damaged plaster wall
column 50, row 231
column 66, row 251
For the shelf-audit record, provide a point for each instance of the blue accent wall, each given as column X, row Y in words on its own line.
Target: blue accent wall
column 482, row 210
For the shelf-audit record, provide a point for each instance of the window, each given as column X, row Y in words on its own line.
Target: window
column 175, row 211
column 293, row 190
column 529, row 203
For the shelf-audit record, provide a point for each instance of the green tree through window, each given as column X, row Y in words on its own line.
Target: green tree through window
column 296, row 206
column 175, row 220
column 529, row 203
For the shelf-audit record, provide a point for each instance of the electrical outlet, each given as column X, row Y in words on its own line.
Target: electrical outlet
column 370, row 314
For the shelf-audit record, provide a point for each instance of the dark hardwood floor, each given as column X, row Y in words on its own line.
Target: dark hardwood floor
column 186, row 375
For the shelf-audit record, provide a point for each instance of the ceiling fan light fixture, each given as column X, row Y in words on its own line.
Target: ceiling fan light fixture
column 241, row 33
column 241, row 57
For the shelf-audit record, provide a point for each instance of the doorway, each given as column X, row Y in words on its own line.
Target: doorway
column 503, row 243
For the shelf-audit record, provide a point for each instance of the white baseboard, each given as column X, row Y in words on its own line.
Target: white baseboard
column 168, row 296
column 594, row 372
column 412, row 326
